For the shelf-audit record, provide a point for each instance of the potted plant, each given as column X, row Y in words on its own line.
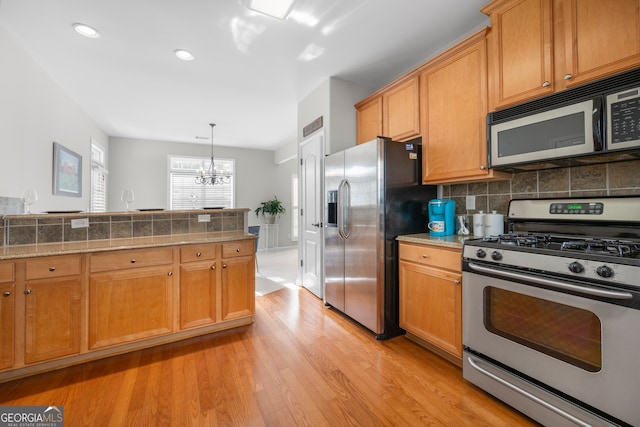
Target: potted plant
column 270, row 210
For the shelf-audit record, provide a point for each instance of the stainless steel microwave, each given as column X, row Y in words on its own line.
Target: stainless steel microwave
column 598, row 122
column 571, row 130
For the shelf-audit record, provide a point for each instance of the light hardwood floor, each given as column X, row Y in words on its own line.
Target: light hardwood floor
column 299, row 364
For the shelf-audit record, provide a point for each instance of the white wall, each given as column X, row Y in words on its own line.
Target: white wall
column 35, row 112
column 142, row 165
column 334, row 100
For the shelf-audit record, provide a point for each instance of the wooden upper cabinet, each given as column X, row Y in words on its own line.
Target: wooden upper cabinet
column 368, row 119
column 543, row 46
column 400, row 110
column 600, row 38
column 454, row 95
column 521, row 63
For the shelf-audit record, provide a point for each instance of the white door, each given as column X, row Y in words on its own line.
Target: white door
column 311, row 238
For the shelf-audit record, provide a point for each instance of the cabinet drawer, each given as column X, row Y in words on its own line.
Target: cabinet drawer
column 55, row 266
column 6, row 272
column 238, row 248
column 450, row 259
column 118, row 260
column 192, row 253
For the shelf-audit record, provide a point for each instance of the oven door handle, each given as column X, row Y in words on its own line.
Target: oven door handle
column 553, row 283
column 526, row 394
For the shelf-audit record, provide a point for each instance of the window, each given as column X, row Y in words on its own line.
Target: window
column 184, row 193
column 294, row 207
column 98, row 202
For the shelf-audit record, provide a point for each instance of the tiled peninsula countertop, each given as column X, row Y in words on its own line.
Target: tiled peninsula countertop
column 64, row 248
column 454, row 241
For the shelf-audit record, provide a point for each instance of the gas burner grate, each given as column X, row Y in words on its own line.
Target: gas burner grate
column 520, row 239
column 617, row 248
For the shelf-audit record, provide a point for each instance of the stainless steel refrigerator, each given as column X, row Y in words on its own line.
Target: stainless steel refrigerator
column 373, row 193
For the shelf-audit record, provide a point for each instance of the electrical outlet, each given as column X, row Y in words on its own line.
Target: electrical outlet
column 80, row 223
column 471, row 203
column 204, row 218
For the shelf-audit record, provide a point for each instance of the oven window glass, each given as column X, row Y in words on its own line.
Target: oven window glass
column 559, row 132
column 567, row 333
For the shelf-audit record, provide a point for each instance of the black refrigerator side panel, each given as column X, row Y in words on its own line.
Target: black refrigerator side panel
column 405, row 212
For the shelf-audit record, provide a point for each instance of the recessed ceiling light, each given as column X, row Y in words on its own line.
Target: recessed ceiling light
column 185, row 55
column 275, row 8
column 86, row 31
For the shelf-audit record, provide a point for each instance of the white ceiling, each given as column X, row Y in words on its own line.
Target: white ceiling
column 250, row 71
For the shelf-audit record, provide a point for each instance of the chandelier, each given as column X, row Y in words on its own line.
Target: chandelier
column 212, row 177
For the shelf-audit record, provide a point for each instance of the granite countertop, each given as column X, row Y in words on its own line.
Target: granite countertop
column 454, row 241
column 65, row 248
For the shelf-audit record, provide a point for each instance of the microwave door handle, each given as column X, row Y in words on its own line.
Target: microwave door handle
column 597, row 121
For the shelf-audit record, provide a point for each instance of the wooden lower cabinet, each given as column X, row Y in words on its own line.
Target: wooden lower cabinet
column 238, row 287
column 199, row 288
column 130, row 305
column 238, row 279
column 7, row 314
column 431, row 297
column 52, row 318
column 58, row 311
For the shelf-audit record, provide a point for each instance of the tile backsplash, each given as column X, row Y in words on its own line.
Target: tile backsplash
column 611, row 179
column 55, row 228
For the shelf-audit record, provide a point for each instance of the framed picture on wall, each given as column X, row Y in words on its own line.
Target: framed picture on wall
column 67, row 172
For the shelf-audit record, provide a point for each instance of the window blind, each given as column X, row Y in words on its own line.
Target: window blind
column 186, row 194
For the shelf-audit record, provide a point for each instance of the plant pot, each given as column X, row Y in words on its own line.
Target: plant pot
column 269, row 219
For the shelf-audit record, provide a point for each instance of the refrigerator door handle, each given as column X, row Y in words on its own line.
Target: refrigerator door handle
column 344, row 205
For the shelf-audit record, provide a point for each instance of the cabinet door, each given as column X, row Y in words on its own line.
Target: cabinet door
column 198, row 287
column 400, row 111
column 52, row 318
column 7, row 313
column 454, row 98
column 522, row 56
column 129, row 305
column 431, row 305
column 600, row 38
column 368, row 120
column 238, row 287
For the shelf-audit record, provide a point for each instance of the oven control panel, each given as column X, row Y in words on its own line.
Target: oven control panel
column 587, row 208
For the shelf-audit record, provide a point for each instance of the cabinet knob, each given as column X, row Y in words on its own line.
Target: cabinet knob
column 457, row 281
column 213, row 267
column 224, row 265
column 27, row 291
column 546, row 84
column 52, row 269
column 170, row 273
column 425, row 256
column 133, row 260
column 7, row 294
column 482, row 167
column 198, row 254
column 568, row 76
column 238, row 250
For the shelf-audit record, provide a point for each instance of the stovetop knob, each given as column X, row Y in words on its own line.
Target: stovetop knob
column 576, row 267
column 604, row 271
column 496, row 256
column 480, row 253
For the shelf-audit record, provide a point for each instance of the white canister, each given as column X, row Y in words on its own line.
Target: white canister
column 493, row 224
column 478, row 224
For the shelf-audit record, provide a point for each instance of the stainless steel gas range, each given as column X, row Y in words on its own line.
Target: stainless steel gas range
column 551, row 311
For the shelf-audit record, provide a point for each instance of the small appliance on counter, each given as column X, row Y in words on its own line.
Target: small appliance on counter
column 442, row 217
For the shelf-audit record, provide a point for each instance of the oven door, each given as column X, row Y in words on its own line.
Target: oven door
column 584, row 346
